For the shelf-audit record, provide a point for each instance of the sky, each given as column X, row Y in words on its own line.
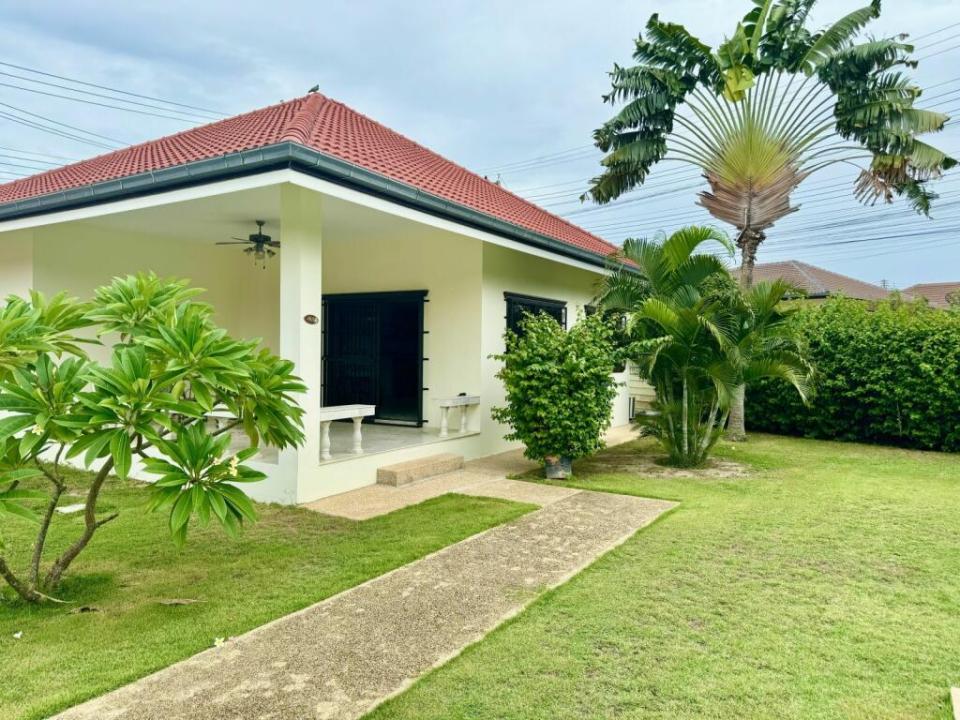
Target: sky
column 508, row 89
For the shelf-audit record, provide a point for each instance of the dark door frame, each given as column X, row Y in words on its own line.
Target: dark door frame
column 418, row 296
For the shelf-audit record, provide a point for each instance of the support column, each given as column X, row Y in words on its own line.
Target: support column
column 301, row 225
column 444, row 420
column 325, row 440
column 357, row 435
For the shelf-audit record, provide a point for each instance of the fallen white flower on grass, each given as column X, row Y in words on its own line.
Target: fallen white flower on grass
column 218, row 642
column 18, row 634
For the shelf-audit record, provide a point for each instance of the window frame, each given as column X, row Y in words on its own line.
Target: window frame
column 532, row 304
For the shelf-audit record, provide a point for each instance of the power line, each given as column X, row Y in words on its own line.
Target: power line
column 39, row 154
column 854, row 229
column 684, row 173
column 937, row 42
column 53, row 131
column 28, row 159
column 689, row 215
column 189, row 115
column 27, row 167
column 62, row 124
column 912, row 248
column 94, row 102
column 937, row 32
column 802, row 196
column 494, row 168
column 939, row 52
column 112, row 89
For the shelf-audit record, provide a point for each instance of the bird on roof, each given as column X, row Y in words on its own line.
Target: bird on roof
column 315, row 88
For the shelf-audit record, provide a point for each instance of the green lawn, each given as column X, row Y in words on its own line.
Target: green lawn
column 289, row 559
column 824, row 585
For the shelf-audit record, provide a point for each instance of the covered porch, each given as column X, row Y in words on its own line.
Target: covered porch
column 374, row 308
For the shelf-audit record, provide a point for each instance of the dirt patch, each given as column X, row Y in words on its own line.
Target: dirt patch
column 649, row 463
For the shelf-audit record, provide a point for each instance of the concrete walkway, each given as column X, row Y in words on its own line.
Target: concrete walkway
column 342, row 657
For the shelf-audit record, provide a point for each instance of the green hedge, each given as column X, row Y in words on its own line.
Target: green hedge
column 886, row 373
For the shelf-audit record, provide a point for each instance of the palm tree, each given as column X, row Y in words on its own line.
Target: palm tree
column 763, row 337
column 773, row 104
column 693, row 339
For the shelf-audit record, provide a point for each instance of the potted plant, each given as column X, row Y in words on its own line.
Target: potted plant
column 559, row 388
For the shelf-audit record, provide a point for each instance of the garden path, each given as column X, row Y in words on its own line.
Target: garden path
column 342, row 657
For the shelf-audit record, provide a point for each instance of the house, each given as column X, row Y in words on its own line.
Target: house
column 396, row 276
column 939, row 295
column 817, row 282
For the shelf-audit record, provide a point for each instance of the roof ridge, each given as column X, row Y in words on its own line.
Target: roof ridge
column 833, row 272
column 304, row 119
column 933, row 284
column 802, row 269
column 477, row 175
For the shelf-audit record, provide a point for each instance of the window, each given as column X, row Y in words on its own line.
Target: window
column 518, row 306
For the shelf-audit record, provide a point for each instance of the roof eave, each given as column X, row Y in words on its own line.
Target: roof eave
column 296, row 157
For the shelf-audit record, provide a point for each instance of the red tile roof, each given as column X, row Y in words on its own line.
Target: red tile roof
column 937, row 294
column 816, row 281
column 329, row 127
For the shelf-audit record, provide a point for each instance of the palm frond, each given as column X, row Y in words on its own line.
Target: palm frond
column 659, row 312
column 783, row 366
column 838, row 36
column 684, row 242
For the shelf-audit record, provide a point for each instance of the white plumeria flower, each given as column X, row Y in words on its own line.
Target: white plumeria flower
column 234, row 462
column 218, row 642
column 37, row 430
column 18, row 634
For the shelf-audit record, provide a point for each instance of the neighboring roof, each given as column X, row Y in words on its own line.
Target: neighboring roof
column 338, row 141
column 817, row 282
column 937, row 294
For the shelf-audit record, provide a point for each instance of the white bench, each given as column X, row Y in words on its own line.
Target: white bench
column 459, row 401
column 343, row 412
column 220, row 416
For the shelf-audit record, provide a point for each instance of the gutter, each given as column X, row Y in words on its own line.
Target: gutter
column 294, row 156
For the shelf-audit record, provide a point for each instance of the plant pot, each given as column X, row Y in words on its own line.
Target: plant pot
column 557, row 467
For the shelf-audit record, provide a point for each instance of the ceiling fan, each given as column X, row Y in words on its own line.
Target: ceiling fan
column 260, row 245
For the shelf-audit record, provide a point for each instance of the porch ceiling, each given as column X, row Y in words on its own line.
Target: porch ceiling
column 209, row 220
column 220, row 217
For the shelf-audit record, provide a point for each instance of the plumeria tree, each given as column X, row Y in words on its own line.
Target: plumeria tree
column 170, row 367
column 773, row 104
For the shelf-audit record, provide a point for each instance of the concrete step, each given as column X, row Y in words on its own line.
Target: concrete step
column 407, row 472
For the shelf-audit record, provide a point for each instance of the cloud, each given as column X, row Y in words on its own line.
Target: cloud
column 486, row 84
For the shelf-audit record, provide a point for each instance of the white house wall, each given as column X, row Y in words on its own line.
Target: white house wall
column 421, row 258
column 79, row 257
column 506, row 270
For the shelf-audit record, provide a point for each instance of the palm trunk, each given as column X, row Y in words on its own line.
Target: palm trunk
column 748, row 242
column 736, row 425
column 686, row 424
